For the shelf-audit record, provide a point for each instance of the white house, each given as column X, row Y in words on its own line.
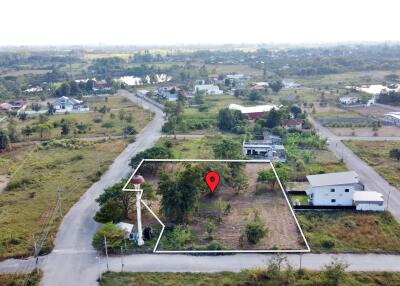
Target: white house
column 333, row 189
column 169, row 93
column 348, row 100
column 66, row 104
column 208, row 89
column 392, row 118
column 368, row 201
column 253, row 112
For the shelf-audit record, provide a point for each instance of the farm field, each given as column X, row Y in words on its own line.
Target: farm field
column 384, row 131
column 34, row 173
column 350, row 231
column 376, row 154
column 247, row 277
column 228, row 210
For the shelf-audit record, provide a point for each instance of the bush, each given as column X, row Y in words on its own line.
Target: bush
column 328, row 243
column 215, row 245
column 97, row 119
column 108, row 124
column 113, row 235
column 255, row 231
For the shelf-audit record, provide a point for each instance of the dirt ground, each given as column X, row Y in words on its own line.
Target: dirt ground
column 4, row 179
column 374, row 111
column 384, row 131
column 270, row 206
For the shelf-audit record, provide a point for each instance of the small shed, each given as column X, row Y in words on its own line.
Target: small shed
column 127, row 227
column 368, row 201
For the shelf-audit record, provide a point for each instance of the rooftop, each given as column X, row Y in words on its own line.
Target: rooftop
column 367, row 196
column 331, row 179
column 393, row 114
column 252, row 109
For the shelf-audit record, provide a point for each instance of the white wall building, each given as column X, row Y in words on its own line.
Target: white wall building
column 66, row 104
column 208, row 89
column 392, row 118
column 368, row 201
column 347, row 100
column 333, row 189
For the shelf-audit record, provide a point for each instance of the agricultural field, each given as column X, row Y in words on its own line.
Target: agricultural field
column 350, row 231
column 376, row 154
column 119, row 113
column 33, row 173
column 221, row 219
column 248, row 277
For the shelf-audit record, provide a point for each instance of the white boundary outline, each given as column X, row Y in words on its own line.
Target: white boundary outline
column 218, row 251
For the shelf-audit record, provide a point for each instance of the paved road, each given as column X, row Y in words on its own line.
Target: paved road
column 73, row 254
column 371, row 179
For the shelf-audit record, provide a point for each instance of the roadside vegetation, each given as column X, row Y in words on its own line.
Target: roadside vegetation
column 350, row 231
column 276, row 272
column 30, row 279
column 383, row 156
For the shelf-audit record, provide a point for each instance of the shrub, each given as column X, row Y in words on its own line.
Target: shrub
column 255, row 231
column 97, row 119
column 328, row 243
column 108, row 124
column 113, row 235
column 215, row 245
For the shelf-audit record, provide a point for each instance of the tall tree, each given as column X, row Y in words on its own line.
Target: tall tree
column 4, row 140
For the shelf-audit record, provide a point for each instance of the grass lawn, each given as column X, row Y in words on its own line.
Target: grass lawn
column 247, row 277
column 347, row 231
column 98, row 124
column 36, row 172
column 376, row 154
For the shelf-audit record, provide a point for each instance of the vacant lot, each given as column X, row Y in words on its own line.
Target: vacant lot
column 376, row 154
column 36, row 172
column 231, row 210
column 342, row 231
column 248, row 277
column 384, row 131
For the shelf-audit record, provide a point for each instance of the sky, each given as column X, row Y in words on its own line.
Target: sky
column 177, row 22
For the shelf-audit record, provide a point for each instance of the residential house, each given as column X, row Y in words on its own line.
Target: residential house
column 293, row 123
column 392, row 118
column 214, row 77
column 66, row 104
column 5, row 106
column 269, row 148
column 252, row 112
column 333, row 189
column 348, row 100
column 208, row 89
column 169, row 93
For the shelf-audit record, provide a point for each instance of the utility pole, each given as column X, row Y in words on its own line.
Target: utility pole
column 122, row 259
column 301, row 256
column 105, row 246
column 36, row 254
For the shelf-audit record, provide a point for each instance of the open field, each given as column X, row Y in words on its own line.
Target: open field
column 24, row 72
column 36, row 172
column 229, row 210
column 97, row 124
column 348, row 231
column 376, row 154
column 333, row 112
column 248, row 277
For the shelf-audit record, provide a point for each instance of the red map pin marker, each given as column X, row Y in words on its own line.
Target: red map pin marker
column 212, row 180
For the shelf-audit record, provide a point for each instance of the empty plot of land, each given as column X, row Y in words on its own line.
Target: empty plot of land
column 228, row 209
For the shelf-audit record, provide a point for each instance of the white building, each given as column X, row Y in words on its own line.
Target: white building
column 169, row 93
column 392, row 118
column 368, row 201
column 333, row 189
column 208, row 89
column 259, row 149
column 66, row 104
column 347, row 100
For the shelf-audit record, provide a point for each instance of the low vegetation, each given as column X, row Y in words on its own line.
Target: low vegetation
column 380, row 156
column 30, row 279
column 350, row 231
column 27, row 203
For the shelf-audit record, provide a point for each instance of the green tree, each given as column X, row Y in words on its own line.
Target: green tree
column 4, row 140
column 273, row 118
column 227, row 149
column 111, row 210
column 255, row 96
column 157, row 152
column 27, row 131
column 395, row 153
column 276, row 86
column 180, row 195
column 268, row 176
column 118, row 197
column 12, row 132
column 229, row 119
column 113, row 235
